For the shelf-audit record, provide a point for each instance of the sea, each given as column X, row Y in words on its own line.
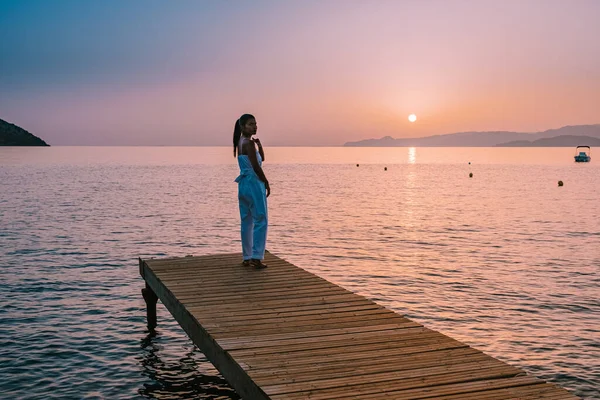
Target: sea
column 481, row 244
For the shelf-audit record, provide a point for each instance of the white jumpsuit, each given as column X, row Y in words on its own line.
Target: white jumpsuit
column 252, row 195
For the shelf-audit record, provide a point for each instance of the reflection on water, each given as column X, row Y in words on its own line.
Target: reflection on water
column 107, row 156
column 178, row 377
column 412, row 155
column 505, row 261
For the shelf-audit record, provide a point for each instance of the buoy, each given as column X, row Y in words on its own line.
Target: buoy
column 469, row 162
column 357, row 165
column 560, row 183
column 385, row 169
column 470, row 174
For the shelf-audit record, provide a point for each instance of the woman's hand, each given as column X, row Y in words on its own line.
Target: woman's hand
column 260, row 149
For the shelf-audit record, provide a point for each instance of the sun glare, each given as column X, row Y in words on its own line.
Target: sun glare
column 412, row 117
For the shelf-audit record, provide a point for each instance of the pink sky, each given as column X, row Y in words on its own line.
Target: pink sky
column 313, row 73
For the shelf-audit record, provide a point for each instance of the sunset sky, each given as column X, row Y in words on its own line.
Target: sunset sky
column 145, row 72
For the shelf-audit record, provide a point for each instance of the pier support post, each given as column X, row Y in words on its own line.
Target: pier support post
column 151, row 298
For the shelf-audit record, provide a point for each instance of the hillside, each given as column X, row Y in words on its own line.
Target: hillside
column 558, row 141
column 480, row 139
column 12, row 135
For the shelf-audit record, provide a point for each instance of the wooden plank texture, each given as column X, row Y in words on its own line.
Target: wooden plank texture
column 285, row 333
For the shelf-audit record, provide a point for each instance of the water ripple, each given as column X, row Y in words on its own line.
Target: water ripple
column 505, row 271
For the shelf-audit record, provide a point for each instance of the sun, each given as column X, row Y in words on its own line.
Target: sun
column 412, row 117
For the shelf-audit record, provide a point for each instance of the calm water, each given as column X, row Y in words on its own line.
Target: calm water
column 506, row 261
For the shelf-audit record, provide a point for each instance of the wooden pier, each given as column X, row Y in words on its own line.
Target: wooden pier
column 285, row 333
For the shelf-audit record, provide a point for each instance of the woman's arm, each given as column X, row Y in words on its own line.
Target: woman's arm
column 260, row 149
column 251, row 150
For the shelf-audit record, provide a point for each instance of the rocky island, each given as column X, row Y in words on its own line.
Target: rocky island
column 573, row 135
column 12, row 135
column 557, row 141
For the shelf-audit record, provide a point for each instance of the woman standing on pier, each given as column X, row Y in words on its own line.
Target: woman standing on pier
column 253, row 190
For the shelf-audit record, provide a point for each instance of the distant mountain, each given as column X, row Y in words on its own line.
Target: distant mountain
column 12, row 135
column 479, row 139
column 557, row 141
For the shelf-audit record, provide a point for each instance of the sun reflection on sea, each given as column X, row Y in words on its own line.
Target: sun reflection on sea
column 412, row 155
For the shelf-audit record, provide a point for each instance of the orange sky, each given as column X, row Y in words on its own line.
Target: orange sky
column 314, row 73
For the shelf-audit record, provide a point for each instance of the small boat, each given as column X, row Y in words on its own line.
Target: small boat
column 583, row 156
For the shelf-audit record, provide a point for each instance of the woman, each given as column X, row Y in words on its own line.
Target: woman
column 253, row 190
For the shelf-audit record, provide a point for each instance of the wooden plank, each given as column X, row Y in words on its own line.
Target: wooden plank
column 284, row 333
column 239, row 308
column 295, row 327
column 387, row 382
column 251, row 340
column 305, row 300
column 222, row 266
column 242, row 283
column 207, row 312
column 266, row 294
column 229, row 260
column 228, row 367
column 365, row 346
column 404, row 336
column 422, row 391
column 363, row 367
column 530, row 392
column 213, row 274
column 298, row 359
column 314, row 341
column 317, row 318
